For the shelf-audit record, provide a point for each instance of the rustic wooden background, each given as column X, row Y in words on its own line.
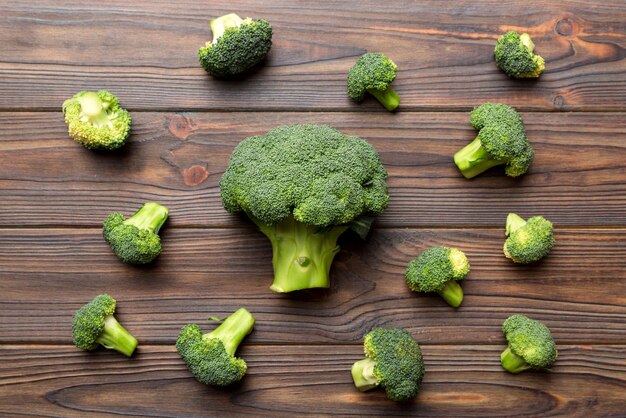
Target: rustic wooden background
column 54, row 195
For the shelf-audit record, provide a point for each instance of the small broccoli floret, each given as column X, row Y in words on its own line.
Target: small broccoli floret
column 211, row 357
column 238, row 44
column 135, row 240
column 96, row 120
column 437, row 269
column 514, row 55
column 530, row 345
column 393, row 361
column 304, row 185
column 501, row 140
column 373, row 73
column 528, row 241
column 94, row 325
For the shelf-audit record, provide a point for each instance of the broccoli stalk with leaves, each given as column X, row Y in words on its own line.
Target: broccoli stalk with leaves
column 528, row 241
column 304, row 185
column 94, row 325
column 136, row 240
column 530, row 345
column 514, row 55
column 211, row 357
column 501, row 140
column 373, row 73
column 238, row 45
column 96, row 120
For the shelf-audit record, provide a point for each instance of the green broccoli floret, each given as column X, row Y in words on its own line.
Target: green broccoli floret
column 393, row 361
column 437, row 269
column 528, row 241
column 304, row 185
column 514, row 55
column 96, row 120
column 238, row 44
column 211, row 357
column 373, row 73
column 94, row 325
column 501, row 140
column 135, row 240
column 530, row 345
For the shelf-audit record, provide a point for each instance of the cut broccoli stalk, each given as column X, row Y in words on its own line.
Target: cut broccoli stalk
column 233, row 330
column 388, row 97
column 151, row 217
column 93, row 110
column 513, row 223
column 302, row 254
column 512, row 362
column 474, row 159
column 452, row 293
column 115, row 337
column 363, row 374
column 219, row 25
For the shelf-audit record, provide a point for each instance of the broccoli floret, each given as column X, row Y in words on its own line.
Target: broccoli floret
column 135, row 240
column 514, row 55
column 501, row 140
column 528, row 241
column 211, row 357
column 303, row 185
column 530, row 345
column 437, row 269
column 373, row 73
column 94, row 325
column 393, row 361
column 238, row 44
column 96, row 120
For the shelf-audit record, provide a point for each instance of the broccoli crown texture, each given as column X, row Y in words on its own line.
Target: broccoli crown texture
column 501, row 140
column 313, row 173
column 96, row 120
column 135, row 240
column 398, row 365
column 94, row 325
column 373, row 73
column 210, row 357
column 530, row 344
column 528, row 241
column 238, row 44
column 514, row 55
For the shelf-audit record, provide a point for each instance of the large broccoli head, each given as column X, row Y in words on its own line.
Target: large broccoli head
column 501, row 140
column 514, row 55
column 210, row 357
column 136, row 240
column 437, row 269
column 530, row 345
column 238, row 44
column 304, row 185
column 528, row 241
column 96, row 120
column 94, row 325
column 373, row 73
column 393, row 361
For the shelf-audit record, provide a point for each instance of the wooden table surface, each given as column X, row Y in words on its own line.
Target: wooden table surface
column 54, row 195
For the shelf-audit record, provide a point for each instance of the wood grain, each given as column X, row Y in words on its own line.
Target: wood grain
column 306, row 380
column 145, row 52
column 578, row 291
column 177, row 159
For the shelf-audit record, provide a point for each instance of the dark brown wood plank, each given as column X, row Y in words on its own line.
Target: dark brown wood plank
column 178, row 159
column 306, row 380
column 145, row 52
column 578, row 291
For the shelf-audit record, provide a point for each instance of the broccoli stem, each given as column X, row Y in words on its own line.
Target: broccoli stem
column 474, row 159
column 363, row 374
column 233, row 330
column 151, row 216
column 92, row 109
column 219, row 25
column 388, row 97
column 452, row 293
column 527, row 42
column 115, row 337
column 512, row 362
column 302, row 254
column 513, row 223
